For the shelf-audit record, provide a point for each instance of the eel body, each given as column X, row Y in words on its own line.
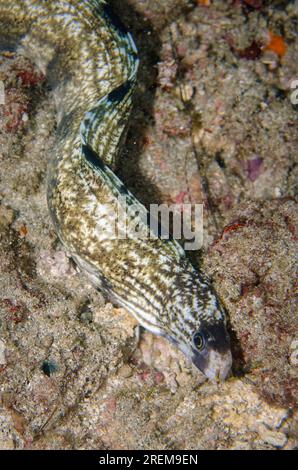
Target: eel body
column 91, row 62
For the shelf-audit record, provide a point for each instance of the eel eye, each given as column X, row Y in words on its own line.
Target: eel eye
column 198, row 341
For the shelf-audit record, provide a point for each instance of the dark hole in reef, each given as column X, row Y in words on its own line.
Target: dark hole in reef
column 49, row 367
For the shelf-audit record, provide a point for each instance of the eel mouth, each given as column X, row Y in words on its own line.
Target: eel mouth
column 214, row 364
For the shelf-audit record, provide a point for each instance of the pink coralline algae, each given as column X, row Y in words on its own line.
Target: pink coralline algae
column 253, row 168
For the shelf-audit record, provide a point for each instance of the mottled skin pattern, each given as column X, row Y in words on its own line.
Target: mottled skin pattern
column 91, row 63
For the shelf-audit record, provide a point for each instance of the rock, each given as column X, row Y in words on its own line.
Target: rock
column 274, row 438
column 6, row 444
column 2, row 353
column 125, row 371
column 54, row 264
column 294, row 352
column 259, row 293
column 6, row 216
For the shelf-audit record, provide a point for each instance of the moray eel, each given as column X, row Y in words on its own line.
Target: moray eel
column 91, row 62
